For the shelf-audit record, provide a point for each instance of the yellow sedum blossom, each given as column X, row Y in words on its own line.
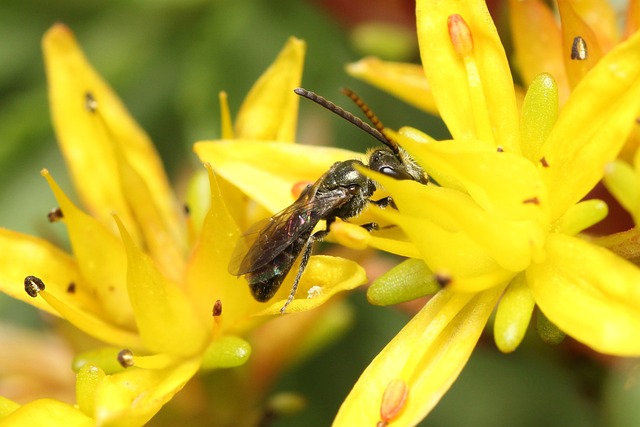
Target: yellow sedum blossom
column 141, row 278
column 501, row 229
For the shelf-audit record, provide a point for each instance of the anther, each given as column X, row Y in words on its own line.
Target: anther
column 460, row 35
column 443, row 279
column 33, row 285
column 90, row 103
column 579, row 49
column 217, row 308
column 55, row 215
column 544, row 162
column 500, row 149
column 393, row 400
column 125, row 358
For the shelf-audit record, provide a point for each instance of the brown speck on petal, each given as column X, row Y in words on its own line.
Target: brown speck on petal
column 71, row 289
column 544, row 163
column 500, row 149
column 533, row 200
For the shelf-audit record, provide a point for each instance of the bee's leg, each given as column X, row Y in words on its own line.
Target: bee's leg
column 306, row 254
column 384, row 202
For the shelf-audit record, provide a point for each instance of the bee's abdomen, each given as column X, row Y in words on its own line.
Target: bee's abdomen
column 265, row 281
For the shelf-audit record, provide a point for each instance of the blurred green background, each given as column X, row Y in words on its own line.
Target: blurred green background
column 168, row 59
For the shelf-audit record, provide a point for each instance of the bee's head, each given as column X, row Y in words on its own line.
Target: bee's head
column 398, row 166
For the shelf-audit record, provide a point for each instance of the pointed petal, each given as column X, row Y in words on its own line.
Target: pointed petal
column 406, row 81
column 538, row 43
column 270, row 110
column 592, row 127
column 7, row 407
column 267, row 171
column 428, row 355
column 324, row 277
column 207, row 277
column 473, row 94
column 573, row 25
column 589, row 293
column 84, row 108
column 133, row 397
column 56, row 268
column 47, row 413
column 99, row 255
column 165, row 317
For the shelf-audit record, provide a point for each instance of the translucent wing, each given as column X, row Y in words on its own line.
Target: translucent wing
column 268, row 238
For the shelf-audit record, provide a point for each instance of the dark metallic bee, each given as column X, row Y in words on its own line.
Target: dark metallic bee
column 268, row 250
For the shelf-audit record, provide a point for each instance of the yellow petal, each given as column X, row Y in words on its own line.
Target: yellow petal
column 270, row 110
column 592, row 127
column 468, row 102
column 84, row 108
column 406, row 81
column 56, row 268
column 267, row 171
column 573, row 25
column 428, row 355
column 207, row 276
column 47, row 413
column 623, row 182
column 324, row 277
column 6, row 407
column 165, row 317
column 133, row 397
column 537, row 43
column 465, row 266
column 589, row 293
column 100, row 257
column 510, row 242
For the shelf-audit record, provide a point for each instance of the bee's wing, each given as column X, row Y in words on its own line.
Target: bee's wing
column 266, row 239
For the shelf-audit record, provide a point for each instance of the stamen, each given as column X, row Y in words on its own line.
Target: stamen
column 33, row 285
column 55, row 215
column 125, row 358
column 393, row 400
column 579, row 49
column 460, row 35
column 443, row 279
column 90, row 102
column 544, row 163
column 217, row 308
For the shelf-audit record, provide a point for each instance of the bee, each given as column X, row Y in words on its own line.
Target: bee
column 268, row 250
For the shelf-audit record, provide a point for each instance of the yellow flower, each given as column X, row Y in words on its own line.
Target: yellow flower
column 501, row 228
column 143, row 277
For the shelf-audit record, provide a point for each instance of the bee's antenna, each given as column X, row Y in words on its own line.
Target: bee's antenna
column 372, row 118
column 376, row 133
